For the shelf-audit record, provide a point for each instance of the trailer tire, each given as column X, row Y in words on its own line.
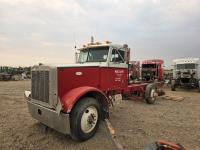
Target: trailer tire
column 173, row 85
column 85, row 118
column 150, row 94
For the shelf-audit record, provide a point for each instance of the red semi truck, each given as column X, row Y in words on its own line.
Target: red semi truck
column 152, row 70
column 73, row 99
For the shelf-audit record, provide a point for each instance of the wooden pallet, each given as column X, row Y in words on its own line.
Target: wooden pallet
column 173, row 98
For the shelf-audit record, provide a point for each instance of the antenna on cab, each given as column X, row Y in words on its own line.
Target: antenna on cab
column 76, row 53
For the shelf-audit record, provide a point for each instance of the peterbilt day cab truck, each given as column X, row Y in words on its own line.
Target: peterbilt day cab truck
column 73, row 99
column 186, row 73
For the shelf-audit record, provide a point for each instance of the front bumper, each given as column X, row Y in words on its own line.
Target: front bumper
column 49, row 117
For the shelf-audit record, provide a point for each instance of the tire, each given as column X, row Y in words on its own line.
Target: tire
column 150, row 94
column 173, row 85
column 85, row 118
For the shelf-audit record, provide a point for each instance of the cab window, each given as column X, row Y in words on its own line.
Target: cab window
column 117, row 56
column 96, row 54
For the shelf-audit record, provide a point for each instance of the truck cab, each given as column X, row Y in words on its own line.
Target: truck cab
column 152, row 70
column 186, row 73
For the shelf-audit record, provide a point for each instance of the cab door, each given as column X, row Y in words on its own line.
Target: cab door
column 118, row 69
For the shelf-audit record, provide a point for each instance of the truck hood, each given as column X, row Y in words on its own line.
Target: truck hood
column 54, row 66
column 92, row 64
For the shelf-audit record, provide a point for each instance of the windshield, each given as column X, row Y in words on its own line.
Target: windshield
column 186, row 66
column 98, row 54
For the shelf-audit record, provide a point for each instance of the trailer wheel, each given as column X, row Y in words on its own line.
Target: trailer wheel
column 151, row 94
column 85, row 118
column 173, row 85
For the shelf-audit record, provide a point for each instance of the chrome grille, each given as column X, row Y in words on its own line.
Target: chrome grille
column 40, row 86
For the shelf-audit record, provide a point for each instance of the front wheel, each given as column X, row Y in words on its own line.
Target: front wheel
column 85, row 118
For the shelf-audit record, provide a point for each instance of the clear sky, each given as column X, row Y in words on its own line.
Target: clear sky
column 33, row 31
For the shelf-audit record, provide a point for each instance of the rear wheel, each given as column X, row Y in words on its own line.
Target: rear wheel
column 173, row 85
column 85, row 118
column 151, row 94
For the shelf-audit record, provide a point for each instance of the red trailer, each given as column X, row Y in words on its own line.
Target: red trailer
column 74, row 98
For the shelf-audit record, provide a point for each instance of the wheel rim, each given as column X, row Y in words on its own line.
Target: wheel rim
column 89, row 119
column 153, row 94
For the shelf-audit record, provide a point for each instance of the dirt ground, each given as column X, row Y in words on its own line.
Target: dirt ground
column 136, row 123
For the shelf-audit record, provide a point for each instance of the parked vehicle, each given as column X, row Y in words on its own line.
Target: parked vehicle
column 5, row 77
column 186, row 73
column 149, row 72
column 152, row 70
column 74, row 98
column 13, row 73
